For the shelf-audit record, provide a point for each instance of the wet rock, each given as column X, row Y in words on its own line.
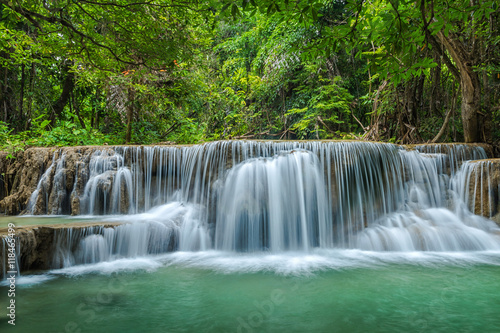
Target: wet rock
column 21, row 176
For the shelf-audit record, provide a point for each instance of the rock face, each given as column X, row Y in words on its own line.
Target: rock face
column 19, row 177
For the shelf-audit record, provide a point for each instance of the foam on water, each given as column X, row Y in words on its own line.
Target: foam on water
column 320, row 260
column 148, row 264
column 285, row 264
column 29, row 280
column 289, row 263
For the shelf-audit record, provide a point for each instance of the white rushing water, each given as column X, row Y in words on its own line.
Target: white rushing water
column 274, row 197
column 274, row 204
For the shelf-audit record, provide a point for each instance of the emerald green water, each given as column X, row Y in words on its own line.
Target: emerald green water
column 336, row 291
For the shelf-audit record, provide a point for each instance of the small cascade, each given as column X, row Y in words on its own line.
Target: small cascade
column 107, row 179
column 434, row 216
column 5, row 262
column 424, row 186
column 433, row 229
column 42, row 192
column 96, row 244
column 272, row 196
column 478, row 186
column 451, row 156
column 52, row 195
column 58, row 200
column 365, row 185
column 166, row 228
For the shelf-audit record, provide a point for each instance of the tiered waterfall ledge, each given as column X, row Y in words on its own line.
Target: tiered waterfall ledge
column 247, row 196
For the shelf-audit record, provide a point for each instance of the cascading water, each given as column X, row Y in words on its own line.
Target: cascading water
column 474, row 186
column 272, row 196
column 277, row 204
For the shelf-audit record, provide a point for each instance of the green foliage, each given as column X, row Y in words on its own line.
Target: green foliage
column 329, row 104
column 67, row 134
column 87, row 72
column 10, row 143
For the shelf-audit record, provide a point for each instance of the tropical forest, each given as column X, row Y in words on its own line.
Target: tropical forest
column 115, row 72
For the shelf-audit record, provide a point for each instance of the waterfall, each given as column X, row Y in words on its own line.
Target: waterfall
column 476, row 181
column 96, row 244
column 42, row 190
column 5, row 263
column 277, row 203
column 272, row 196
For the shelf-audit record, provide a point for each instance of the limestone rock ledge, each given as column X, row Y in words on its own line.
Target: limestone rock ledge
column 37, row 245
column 20, row 176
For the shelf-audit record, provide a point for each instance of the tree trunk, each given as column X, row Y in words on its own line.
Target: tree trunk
column 30, row 97
column 68, row 85
column 471, row 103
column 5, row 87
column 130, row 115
column 436, row 81
column 21, row 95
column 97, row 109
column 447, row 119
column 469, row 83
column 76, row 108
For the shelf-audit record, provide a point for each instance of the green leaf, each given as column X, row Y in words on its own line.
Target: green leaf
column 314, row 14
column 225, row 7
column 44, row 124
column 235, row 11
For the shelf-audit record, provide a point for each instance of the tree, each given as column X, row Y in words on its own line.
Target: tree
column 104, row 39
column 394, row 36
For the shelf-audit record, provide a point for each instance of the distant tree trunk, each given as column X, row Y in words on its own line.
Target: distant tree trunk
column 97, row 110
column 77, row 110
column 21, row 95
column 436, row 81
column 447, row 119
column 130, row 114
column 5, row 87
column 68, row 85
column 419, row 97
column 30, row 97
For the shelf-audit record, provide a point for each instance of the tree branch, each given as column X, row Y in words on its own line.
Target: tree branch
column 29, row 15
